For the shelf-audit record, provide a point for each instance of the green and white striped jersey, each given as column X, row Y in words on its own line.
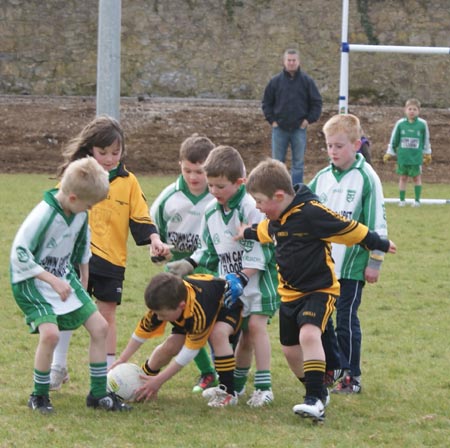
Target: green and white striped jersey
column 354, row 194
column 178, row 213
column 221, row 253
column 50, row 241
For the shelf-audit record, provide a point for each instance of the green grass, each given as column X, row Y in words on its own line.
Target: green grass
column 405, row 357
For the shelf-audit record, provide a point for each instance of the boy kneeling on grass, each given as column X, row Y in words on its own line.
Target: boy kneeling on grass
column 195, row 307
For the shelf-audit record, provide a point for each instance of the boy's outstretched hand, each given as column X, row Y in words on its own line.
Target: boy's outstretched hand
column 392, row 247
column 180, row 267
column 240, row 232
column 235, row 288
column 161, row 259
column 149, row 391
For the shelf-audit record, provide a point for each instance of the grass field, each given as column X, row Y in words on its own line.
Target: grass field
column 406, row 387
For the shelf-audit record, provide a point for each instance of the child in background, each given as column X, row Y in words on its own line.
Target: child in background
column 178, row 213
column 410, row 144
column 194, row 307
column 51, row 241
column 349, row 186
column 252, row 264
column 124, row 210
column 364, row 149
column 303, row 229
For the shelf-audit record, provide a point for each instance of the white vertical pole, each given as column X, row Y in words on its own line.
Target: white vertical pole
column 343, row 84
column 108, row 58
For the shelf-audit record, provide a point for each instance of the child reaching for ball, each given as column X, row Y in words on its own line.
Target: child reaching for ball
column 194, row 305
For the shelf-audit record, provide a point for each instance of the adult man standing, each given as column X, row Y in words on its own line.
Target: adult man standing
column 291, row 102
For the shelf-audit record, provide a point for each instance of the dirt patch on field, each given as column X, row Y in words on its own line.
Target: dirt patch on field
column 35, row 129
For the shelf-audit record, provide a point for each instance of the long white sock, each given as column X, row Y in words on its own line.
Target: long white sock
column 110, row 358
column 61, row 350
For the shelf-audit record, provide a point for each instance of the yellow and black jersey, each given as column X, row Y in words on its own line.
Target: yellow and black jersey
column 302, row 237
column 203, row 303
column 124, row 210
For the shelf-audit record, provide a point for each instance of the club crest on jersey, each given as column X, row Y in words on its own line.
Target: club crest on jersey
column 51, row 244
column 351, row 194
column 216, row 238
column 176, row 218
column 323, row 198
column 247, row 245
column 22, row 254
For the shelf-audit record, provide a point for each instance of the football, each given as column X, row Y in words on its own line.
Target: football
column 124, row 379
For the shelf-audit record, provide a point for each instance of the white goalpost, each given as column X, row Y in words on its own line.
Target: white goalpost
column 346, row 48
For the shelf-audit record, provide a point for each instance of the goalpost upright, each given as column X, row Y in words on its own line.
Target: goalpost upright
column 344, row 78
column 346, row 48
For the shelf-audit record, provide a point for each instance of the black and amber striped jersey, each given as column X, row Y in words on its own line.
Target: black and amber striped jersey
column 203, row 303
column 302, row 236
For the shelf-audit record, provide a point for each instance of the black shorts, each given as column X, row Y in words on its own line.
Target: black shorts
column 105, row 289
column 315, row 308
column 232, row 317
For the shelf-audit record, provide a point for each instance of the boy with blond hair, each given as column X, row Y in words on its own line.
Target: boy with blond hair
column 50, row 242
column 350, row 187
column 303, row 229
column 248, row 264
column 410, row 144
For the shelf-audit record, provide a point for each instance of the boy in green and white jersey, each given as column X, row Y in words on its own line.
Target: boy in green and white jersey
column 350, row 187
column 410, row 143
column 52, row 240
column 249, row 262
column 177, row 213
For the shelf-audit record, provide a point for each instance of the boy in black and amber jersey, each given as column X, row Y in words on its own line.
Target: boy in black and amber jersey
column 194, row 306
column 303, row 229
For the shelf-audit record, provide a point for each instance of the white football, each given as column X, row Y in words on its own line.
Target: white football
column 124, row 379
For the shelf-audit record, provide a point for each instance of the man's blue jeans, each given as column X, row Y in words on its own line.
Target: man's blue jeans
column 297, row 139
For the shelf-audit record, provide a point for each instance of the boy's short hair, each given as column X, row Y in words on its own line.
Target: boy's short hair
column 347, row 124
column 225, row 161
column 269, row 176
column 165, row 291
column 196, row 148
column 412, row 102
column 87, row 179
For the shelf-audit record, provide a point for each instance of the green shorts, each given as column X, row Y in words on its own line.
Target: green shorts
column 38, row 311
column 69, row 321
column 409, row 170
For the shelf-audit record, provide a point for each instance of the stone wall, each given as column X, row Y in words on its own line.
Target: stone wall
column 226, row 48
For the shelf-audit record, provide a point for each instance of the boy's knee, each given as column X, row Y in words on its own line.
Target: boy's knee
column 309, row 334
column 49, row 337
column 257, row 323
column 98, row 326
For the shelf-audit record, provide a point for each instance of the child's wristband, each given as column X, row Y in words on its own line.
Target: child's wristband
column 375, row 261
